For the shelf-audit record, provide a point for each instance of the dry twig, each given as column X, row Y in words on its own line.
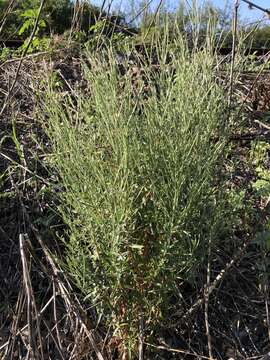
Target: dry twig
column 234, row 32
column 206, row 307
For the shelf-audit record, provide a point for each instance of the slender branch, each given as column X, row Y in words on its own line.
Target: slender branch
column 252, row 5
column 140, row 12
column 102, row 8
column 141, row 337
column 154, row 18
column 206, row 305
column 235, row 20
column 179, row 351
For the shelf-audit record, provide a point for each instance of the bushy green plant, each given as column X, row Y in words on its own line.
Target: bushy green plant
column 141, row 195
column 5, row 53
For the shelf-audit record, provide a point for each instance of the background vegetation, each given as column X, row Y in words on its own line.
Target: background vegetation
column 135, row 172
column 58, row 17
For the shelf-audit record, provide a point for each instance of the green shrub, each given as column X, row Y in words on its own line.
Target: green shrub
column 139, row 172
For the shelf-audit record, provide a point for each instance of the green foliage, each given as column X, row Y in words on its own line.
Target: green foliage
column 101, row 36
column 37, row 43
column 141, row 197
column 261, row 37
column 262, row 185
column 259, row 153
column 59, row 15
column 259, row 157
column 56, row 18
column 5, row 53
column 238, row 205
column 29, row 17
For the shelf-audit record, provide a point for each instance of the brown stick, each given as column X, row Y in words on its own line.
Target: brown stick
column 252, row 5
column 206, row 307
column 235, row 20
column 31, row 303
column 179, row 351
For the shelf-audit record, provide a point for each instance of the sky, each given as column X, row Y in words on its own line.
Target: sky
column 246, row 14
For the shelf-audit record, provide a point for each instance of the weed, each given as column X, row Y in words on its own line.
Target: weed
column 139, row 194
column 5, row 53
